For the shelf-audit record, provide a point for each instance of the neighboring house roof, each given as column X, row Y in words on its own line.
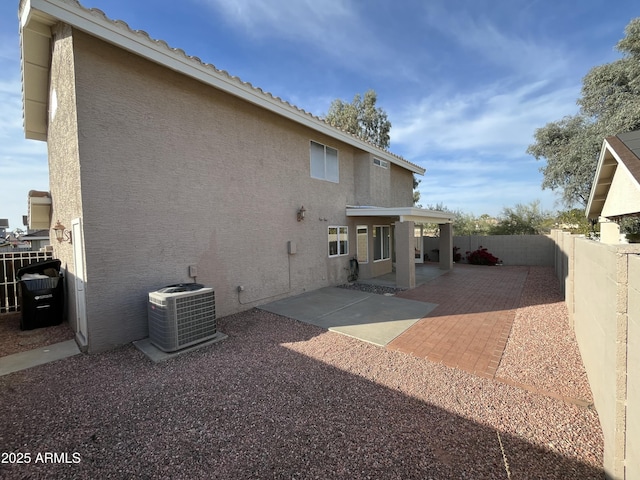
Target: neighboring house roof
column 37, row 16
column 39, row 209
column 615, row 192
column 37, row 235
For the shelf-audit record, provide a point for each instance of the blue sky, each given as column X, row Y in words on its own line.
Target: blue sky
column 464, row 83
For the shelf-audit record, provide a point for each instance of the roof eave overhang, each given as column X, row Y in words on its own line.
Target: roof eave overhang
column 596, row 196
column 611, row 158
column 39, row 15
column 35, row 41
column 404, row 214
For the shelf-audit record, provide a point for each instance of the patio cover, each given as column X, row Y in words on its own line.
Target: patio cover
column 405, row 214
column 407, row 218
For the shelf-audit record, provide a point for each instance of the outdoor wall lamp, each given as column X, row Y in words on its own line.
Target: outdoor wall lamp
column 62, row 234
column 301, row 214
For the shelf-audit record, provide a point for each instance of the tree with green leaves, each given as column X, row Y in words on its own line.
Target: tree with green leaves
column 609, row 104
column 416, row 192
column 464, row 223
column 362, row 118
column 574, row 221
column 469, row 224
column 523, row 219
column 571, row 147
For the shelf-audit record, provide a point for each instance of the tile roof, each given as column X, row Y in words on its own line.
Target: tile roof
column 629, row 151
column 95, row 22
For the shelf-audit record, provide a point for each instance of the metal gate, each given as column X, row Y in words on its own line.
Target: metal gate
column 10, row 263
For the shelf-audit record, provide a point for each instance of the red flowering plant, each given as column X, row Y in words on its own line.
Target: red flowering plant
column 481, row 257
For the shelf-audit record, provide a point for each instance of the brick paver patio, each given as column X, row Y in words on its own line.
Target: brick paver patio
column 471, row 324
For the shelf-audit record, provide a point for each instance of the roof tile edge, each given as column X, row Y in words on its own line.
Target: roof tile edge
column 124, row 26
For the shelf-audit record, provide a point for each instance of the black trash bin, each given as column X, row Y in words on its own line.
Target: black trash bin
column 41, row 294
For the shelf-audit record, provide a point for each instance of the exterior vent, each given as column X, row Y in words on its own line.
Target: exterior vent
column 181, row 315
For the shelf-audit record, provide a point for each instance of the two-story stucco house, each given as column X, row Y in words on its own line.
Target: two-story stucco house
column 165, row 170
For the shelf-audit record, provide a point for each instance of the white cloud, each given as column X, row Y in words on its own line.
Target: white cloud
column 284, row 17
column 498, row 39
column 496, row 120
column 483, row 194
column 473, row 145
column 334, row 27
column 442, row 165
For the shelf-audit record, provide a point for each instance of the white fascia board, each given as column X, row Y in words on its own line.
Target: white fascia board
column 603, row 151
column 593, row 211
column 139, row 43
column 40, row 200
column 405, row 214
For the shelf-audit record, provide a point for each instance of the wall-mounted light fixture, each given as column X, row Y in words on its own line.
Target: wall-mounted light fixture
column 301, row 213
column 62, row 234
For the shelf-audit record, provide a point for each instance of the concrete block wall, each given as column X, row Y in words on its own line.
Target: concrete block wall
column 598, row 333
column 563, row 265
column 633, row 362
column 602, row 289
column 511, row 249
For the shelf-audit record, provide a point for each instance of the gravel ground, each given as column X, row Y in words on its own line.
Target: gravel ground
column 542, row 352
column 282, row 399
column 365, row 287
column 13, row 340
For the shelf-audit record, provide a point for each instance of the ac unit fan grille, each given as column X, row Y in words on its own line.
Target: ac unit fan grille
column 177, row 322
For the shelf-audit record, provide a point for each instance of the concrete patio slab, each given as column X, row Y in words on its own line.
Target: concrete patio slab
column 38, row 356
column 156, row 355
column 370, row 317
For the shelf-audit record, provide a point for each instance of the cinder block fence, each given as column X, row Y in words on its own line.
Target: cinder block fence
column 602, row 290
column 601, row 285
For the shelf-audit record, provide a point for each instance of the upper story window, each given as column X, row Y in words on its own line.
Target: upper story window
column 381, row 163
column 324, row 162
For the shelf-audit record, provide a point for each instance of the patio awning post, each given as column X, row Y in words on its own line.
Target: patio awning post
column 405, row 255
column 446, row 246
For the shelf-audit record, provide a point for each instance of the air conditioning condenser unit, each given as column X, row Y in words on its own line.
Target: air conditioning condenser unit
column 181, row 315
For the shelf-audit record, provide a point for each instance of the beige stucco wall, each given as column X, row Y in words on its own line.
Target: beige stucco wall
column 175, row 173
column 374, row 268
column 381, row 187
column 401, row 189
column 624, row 195
column 633, row 379
column 64, row 166
column 405, row 248
column 609, row 232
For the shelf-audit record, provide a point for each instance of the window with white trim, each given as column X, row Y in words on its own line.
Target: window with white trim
column 324, row 162
column 362, row 244
column 381, row 163
column 381, row 242
column 338, row 241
